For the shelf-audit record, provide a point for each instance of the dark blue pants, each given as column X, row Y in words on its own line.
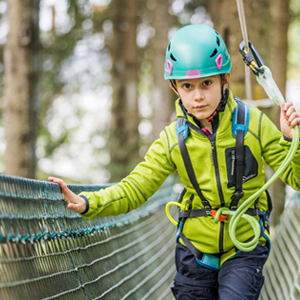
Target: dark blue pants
column 239, row 278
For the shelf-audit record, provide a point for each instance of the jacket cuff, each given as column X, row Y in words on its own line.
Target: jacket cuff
column 287, row 139
column 285, row 142
column 87, row 205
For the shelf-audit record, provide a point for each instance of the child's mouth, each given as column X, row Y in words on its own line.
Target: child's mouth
column 199, row 107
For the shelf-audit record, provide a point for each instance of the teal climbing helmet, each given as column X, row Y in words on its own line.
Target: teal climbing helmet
column 196, row 51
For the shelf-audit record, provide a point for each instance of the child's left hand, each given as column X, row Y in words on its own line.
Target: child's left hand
column 288, row 119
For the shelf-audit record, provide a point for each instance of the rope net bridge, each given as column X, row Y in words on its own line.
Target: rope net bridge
column 50, row 252
column 282, row 271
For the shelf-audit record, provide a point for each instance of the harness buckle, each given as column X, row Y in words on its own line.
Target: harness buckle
column 208, row 210
column 182, row 128
column 238, row 195
column 222, row 218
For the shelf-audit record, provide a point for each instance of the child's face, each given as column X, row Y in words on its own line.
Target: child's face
column 201, row 96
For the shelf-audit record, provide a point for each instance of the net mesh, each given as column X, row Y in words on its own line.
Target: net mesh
column 282, row 271
column 49, row 252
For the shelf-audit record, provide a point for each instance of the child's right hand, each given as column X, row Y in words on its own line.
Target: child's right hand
column 75, row 203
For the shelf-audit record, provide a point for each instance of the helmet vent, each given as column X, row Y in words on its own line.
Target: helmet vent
column 169, row 46
column 214, row 53
column 172, row 57
column 217, row 33
column 218, row 41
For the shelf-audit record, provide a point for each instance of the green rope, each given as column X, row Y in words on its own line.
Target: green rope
column 274, row 93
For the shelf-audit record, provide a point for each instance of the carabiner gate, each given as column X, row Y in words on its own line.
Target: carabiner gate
column 255, row 63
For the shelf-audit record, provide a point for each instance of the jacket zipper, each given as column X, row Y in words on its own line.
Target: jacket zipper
column 212, row 139
column 221, row 240
column 215, row 163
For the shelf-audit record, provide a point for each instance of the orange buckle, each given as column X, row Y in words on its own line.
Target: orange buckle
column 222, row 218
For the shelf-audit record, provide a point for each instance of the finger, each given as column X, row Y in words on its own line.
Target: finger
column 67, row 193
column 295, row 121
column 75, row 207
column 72, row 206
column 285, row 107
column 282, row 111
column 290, row 111
column 59, row 181
column 293, row 116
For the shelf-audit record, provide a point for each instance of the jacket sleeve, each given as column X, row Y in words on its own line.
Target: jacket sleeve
column 137, row 187
column 275, row 148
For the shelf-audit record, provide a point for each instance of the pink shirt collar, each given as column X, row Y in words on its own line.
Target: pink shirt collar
column 206, row 131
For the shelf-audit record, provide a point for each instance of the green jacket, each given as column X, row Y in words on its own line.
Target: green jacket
column 263, row 143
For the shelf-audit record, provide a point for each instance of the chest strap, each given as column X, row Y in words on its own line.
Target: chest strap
column 182, row 133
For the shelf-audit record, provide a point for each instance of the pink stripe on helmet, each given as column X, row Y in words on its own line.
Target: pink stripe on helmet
column 219, row 61
column 169, row 67
column 193, row 74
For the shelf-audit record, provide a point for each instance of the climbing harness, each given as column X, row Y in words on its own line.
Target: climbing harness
column 239, row 130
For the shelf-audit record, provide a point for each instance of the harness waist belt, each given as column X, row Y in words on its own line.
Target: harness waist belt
column 194, row 213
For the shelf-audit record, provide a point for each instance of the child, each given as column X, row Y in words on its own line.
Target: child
column 198, row 67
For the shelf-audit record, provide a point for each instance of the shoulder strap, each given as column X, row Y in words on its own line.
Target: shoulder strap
column 182, row 127
column 241, row 115
column 181, row 134
column 239, row 129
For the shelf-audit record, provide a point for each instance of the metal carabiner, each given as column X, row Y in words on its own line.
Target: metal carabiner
column 262, row 72
column 255, row 63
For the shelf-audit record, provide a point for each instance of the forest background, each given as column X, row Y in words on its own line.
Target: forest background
column 82, row 88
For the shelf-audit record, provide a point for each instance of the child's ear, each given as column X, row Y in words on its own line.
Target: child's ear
column 227, row 77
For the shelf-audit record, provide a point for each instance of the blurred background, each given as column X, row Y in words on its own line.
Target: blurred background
column 82, row 88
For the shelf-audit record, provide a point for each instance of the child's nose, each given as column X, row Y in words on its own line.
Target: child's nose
column 198, row 94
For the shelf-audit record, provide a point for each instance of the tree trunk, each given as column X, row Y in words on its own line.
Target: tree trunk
column 163, row 106
column 124, row 139
column 281, row 18
column 21, row 62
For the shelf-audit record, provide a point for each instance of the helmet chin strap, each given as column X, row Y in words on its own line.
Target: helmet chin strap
column 173, row 86
column 223, row 100
column 222, row 104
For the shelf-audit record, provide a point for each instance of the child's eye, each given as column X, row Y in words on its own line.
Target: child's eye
column 207, row 83
column 186, row 86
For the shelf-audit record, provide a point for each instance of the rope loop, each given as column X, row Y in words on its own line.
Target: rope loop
column 221, row 212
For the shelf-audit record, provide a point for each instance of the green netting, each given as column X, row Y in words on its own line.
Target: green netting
column 282, row 271
column 50, row 252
